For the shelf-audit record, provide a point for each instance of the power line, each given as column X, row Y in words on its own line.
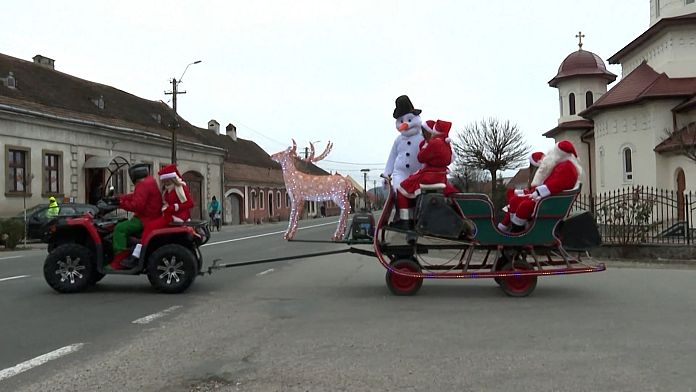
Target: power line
column 355, row 163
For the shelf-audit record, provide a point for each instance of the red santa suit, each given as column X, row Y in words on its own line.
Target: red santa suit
column 559, row 171
column 176, row 207
column 516, row 196
column 435, row 155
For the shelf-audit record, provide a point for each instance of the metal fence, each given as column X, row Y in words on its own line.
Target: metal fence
column 642, row 215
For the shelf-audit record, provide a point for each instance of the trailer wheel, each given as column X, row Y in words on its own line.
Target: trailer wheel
column 499, row 264
column 400, row 284
column 518, row 286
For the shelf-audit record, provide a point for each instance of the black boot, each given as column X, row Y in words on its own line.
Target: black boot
column 129, row 262
column 514, row 229
column 401, row 224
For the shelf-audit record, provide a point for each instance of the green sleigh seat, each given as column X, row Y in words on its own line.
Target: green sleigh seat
column 548, row 213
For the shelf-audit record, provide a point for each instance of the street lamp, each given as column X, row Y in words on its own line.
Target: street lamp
column 175, row 91
column 365, row 171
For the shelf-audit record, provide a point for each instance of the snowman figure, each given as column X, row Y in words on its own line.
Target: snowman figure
column 403, row 158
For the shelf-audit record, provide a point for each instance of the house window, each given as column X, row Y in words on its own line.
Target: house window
column 52, row 173
column 18, row 177
column 253, row 200
column 571, row 103
column 118, row 181
column 589, row 99
column 628, row 164
column 261, row 200
column 287, row 200
column 278, row 199
column 689, row 1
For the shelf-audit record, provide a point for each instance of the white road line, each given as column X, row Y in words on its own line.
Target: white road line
column 10, row 257
column 155, row 316
column 38, row 361
column 265, row 272
column 267, row 234
column 14, row 277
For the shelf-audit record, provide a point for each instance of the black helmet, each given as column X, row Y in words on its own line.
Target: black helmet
column 138, row 172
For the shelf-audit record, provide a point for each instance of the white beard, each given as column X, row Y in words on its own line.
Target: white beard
column 553, row 158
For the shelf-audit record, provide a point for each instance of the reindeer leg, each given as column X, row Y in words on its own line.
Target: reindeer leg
column 299, row 208
column 292, row 223
column 345, row 209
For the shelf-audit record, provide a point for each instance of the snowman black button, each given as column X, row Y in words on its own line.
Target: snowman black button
column 409, row 143
column 407, row 165
column 408, row 154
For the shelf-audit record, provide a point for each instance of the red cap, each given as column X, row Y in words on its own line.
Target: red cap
column 567, row 147
column 168, row 171
column 535, row 158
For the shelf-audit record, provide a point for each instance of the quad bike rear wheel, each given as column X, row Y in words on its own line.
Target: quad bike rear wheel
column 171, row 269
column 69, row 268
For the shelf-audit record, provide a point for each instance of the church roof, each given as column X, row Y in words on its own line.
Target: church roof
column 575, row 124
column 582, row 63
column 685, row 137
column 686, row 106
column 641, row 84
column 654, row 30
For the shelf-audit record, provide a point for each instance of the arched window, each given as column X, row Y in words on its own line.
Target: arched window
column 571, row 103
column 627, row 156
column 278, row 199
column 253, row 200
column 261, row 195
column 589, row 99
column 287, row 200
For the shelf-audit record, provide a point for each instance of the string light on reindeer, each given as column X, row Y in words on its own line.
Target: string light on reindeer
column 303, row 187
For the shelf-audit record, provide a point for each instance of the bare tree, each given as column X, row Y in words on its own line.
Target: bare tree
column 467, row 178
column 491, row 145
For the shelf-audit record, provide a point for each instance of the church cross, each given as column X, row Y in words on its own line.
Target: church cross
column 580, row 36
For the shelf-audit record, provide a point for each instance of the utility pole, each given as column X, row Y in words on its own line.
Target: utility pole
column 365, row 171
column 175, row 91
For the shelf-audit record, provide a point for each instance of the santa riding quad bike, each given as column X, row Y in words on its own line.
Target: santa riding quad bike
column 80, row 248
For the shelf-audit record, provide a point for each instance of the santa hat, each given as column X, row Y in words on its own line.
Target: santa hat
column 170, row 172
column 566, row 147
column 535, row 158
column 438, row 128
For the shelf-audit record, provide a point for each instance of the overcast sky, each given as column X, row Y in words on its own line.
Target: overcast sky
column 329, row 70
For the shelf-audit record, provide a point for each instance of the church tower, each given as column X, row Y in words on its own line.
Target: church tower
column 670, row 8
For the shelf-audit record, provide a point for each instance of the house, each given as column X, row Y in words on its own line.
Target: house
column 61, row 134
column 623, row 134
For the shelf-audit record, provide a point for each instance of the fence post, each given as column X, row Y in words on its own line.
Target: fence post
column 687, row 216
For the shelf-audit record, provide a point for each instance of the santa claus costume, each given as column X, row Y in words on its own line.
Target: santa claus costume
column 176, row 207
column 402, row 161
column 515, row 196
column 559, row 171
column 435, row 153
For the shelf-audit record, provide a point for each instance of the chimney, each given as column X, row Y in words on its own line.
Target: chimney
column 214, row 126
column 44, row 61
column 232, row 131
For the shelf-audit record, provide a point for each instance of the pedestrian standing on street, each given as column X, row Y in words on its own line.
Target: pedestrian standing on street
column 53, row 208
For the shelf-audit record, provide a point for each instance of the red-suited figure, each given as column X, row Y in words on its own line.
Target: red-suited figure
column 435, row 153
column 515, row 196
column 175, row 207
column 559, row 171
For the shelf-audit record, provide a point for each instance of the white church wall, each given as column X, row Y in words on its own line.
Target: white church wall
column 668, row 8
column 672, row 52
column 578, row 86
column 667, row 167
column 583, row 154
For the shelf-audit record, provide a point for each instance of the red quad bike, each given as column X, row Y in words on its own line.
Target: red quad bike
column 80, row 248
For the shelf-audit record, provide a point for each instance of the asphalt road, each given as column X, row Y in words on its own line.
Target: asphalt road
column 330, row 324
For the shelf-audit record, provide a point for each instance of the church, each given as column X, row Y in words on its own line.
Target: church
column 633, row 133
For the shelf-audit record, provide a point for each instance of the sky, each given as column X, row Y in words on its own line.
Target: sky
column 320, row 70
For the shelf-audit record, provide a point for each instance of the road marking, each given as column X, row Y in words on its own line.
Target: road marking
column 155, row 316
column 14, row 277
column 267, row 234
column 38, row 361
column 265, row 272
column 10, row 257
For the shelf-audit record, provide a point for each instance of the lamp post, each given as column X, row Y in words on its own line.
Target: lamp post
column 365, row 171
column 175, row 91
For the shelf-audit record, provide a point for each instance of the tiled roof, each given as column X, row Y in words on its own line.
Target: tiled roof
column 688, row 19
column 685, row 137
column 582, row 63
column 519, row 180
column 643, row 83
column 575, row 124
column 686, row 106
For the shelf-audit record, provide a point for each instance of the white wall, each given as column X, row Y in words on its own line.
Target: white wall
column 579, row 86
column 583, row 154
column 673, row 51
column 667, row 166
column 669, row 8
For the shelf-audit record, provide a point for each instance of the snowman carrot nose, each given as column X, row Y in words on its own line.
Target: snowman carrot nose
column 403, row 126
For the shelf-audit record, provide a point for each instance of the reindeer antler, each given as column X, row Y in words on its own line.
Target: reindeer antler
column 323, row 154
column 293, row 151
column 311, row 153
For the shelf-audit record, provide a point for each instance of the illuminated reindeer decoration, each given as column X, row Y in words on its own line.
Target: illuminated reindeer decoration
column 307, row 187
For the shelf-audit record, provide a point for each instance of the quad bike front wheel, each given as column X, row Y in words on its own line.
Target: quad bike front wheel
column 400, row 284
column 171, row 269
column 69, row 268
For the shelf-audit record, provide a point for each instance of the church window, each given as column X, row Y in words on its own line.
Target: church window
column 628, row 164
column 560, row 104
column 253, row 200
column 657, row 8
column 589, row 99
column 571, row 103
column 601, row 165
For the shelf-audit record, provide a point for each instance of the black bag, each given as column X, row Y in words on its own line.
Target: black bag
column 579, row 232
column 436, row 217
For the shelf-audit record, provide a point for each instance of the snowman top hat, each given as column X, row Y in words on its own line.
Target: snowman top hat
column 404, row 106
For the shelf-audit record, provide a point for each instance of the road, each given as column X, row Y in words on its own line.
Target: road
column 331, row 324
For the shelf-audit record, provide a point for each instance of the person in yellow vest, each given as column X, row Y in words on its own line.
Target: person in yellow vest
column 53, row 208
